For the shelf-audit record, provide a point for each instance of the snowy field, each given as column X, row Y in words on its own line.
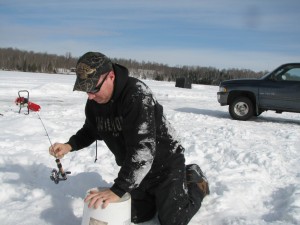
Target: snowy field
column 253, row 166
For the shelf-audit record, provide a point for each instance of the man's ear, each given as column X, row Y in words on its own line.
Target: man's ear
column 112, row 75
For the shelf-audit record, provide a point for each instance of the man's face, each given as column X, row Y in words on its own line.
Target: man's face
column 106, row 81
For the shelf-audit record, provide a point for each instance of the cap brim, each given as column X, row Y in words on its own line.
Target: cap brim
column 85, row 85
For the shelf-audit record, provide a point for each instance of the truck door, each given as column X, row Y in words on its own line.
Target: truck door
column 282, row 90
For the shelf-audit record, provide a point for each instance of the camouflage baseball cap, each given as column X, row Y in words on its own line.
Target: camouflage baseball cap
column 89, row 68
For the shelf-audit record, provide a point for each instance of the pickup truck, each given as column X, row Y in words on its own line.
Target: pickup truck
column 278, row 90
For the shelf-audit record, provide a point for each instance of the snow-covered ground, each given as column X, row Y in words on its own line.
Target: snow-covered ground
column 252, row 166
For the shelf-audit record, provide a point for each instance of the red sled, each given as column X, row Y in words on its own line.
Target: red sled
column 24, row 102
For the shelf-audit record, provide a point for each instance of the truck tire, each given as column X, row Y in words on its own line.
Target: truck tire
column 241, row 108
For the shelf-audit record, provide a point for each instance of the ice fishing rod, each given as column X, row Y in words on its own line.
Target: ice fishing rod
column 60, row 174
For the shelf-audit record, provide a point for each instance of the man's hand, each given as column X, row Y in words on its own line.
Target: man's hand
column 97, row 198
column 59, row 150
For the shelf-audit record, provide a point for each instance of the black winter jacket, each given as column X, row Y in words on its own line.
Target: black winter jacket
column 134, row 128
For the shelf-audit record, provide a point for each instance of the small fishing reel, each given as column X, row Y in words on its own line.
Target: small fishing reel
column 57, row 176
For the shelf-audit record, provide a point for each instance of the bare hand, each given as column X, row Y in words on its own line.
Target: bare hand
column 59, row 150
column 97, row 198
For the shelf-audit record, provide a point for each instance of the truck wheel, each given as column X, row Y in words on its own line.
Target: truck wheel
column 241, row 108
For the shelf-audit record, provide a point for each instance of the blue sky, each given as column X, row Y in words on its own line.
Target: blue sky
column 256, row 34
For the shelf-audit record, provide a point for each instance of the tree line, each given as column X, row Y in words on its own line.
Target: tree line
column 29, row 61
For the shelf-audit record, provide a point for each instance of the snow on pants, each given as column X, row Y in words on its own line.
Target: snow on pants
column 166, row 194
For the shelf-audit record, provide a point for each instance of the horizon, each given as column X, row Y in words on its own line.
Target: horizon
column 258, row 36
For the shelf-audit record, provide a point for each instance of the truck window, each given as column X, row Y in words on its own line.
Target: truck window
column 291, row 75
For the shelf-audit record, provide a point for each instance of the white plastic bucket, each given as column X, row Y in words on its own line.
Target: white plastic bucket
column 116, row 213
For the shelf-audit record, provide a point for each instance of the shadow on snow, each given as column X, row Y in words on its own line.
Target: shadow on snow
column 37, row 176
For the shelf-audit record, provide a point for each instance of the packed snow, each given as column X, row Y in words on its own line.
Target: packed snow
column 252, row 166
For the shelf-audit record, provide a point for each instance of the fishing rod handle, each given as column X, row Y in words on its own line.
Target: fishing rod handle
column 61, row 170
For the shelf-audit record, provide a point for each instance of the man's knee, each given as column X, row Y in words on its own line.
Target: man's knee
column 142, row 206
